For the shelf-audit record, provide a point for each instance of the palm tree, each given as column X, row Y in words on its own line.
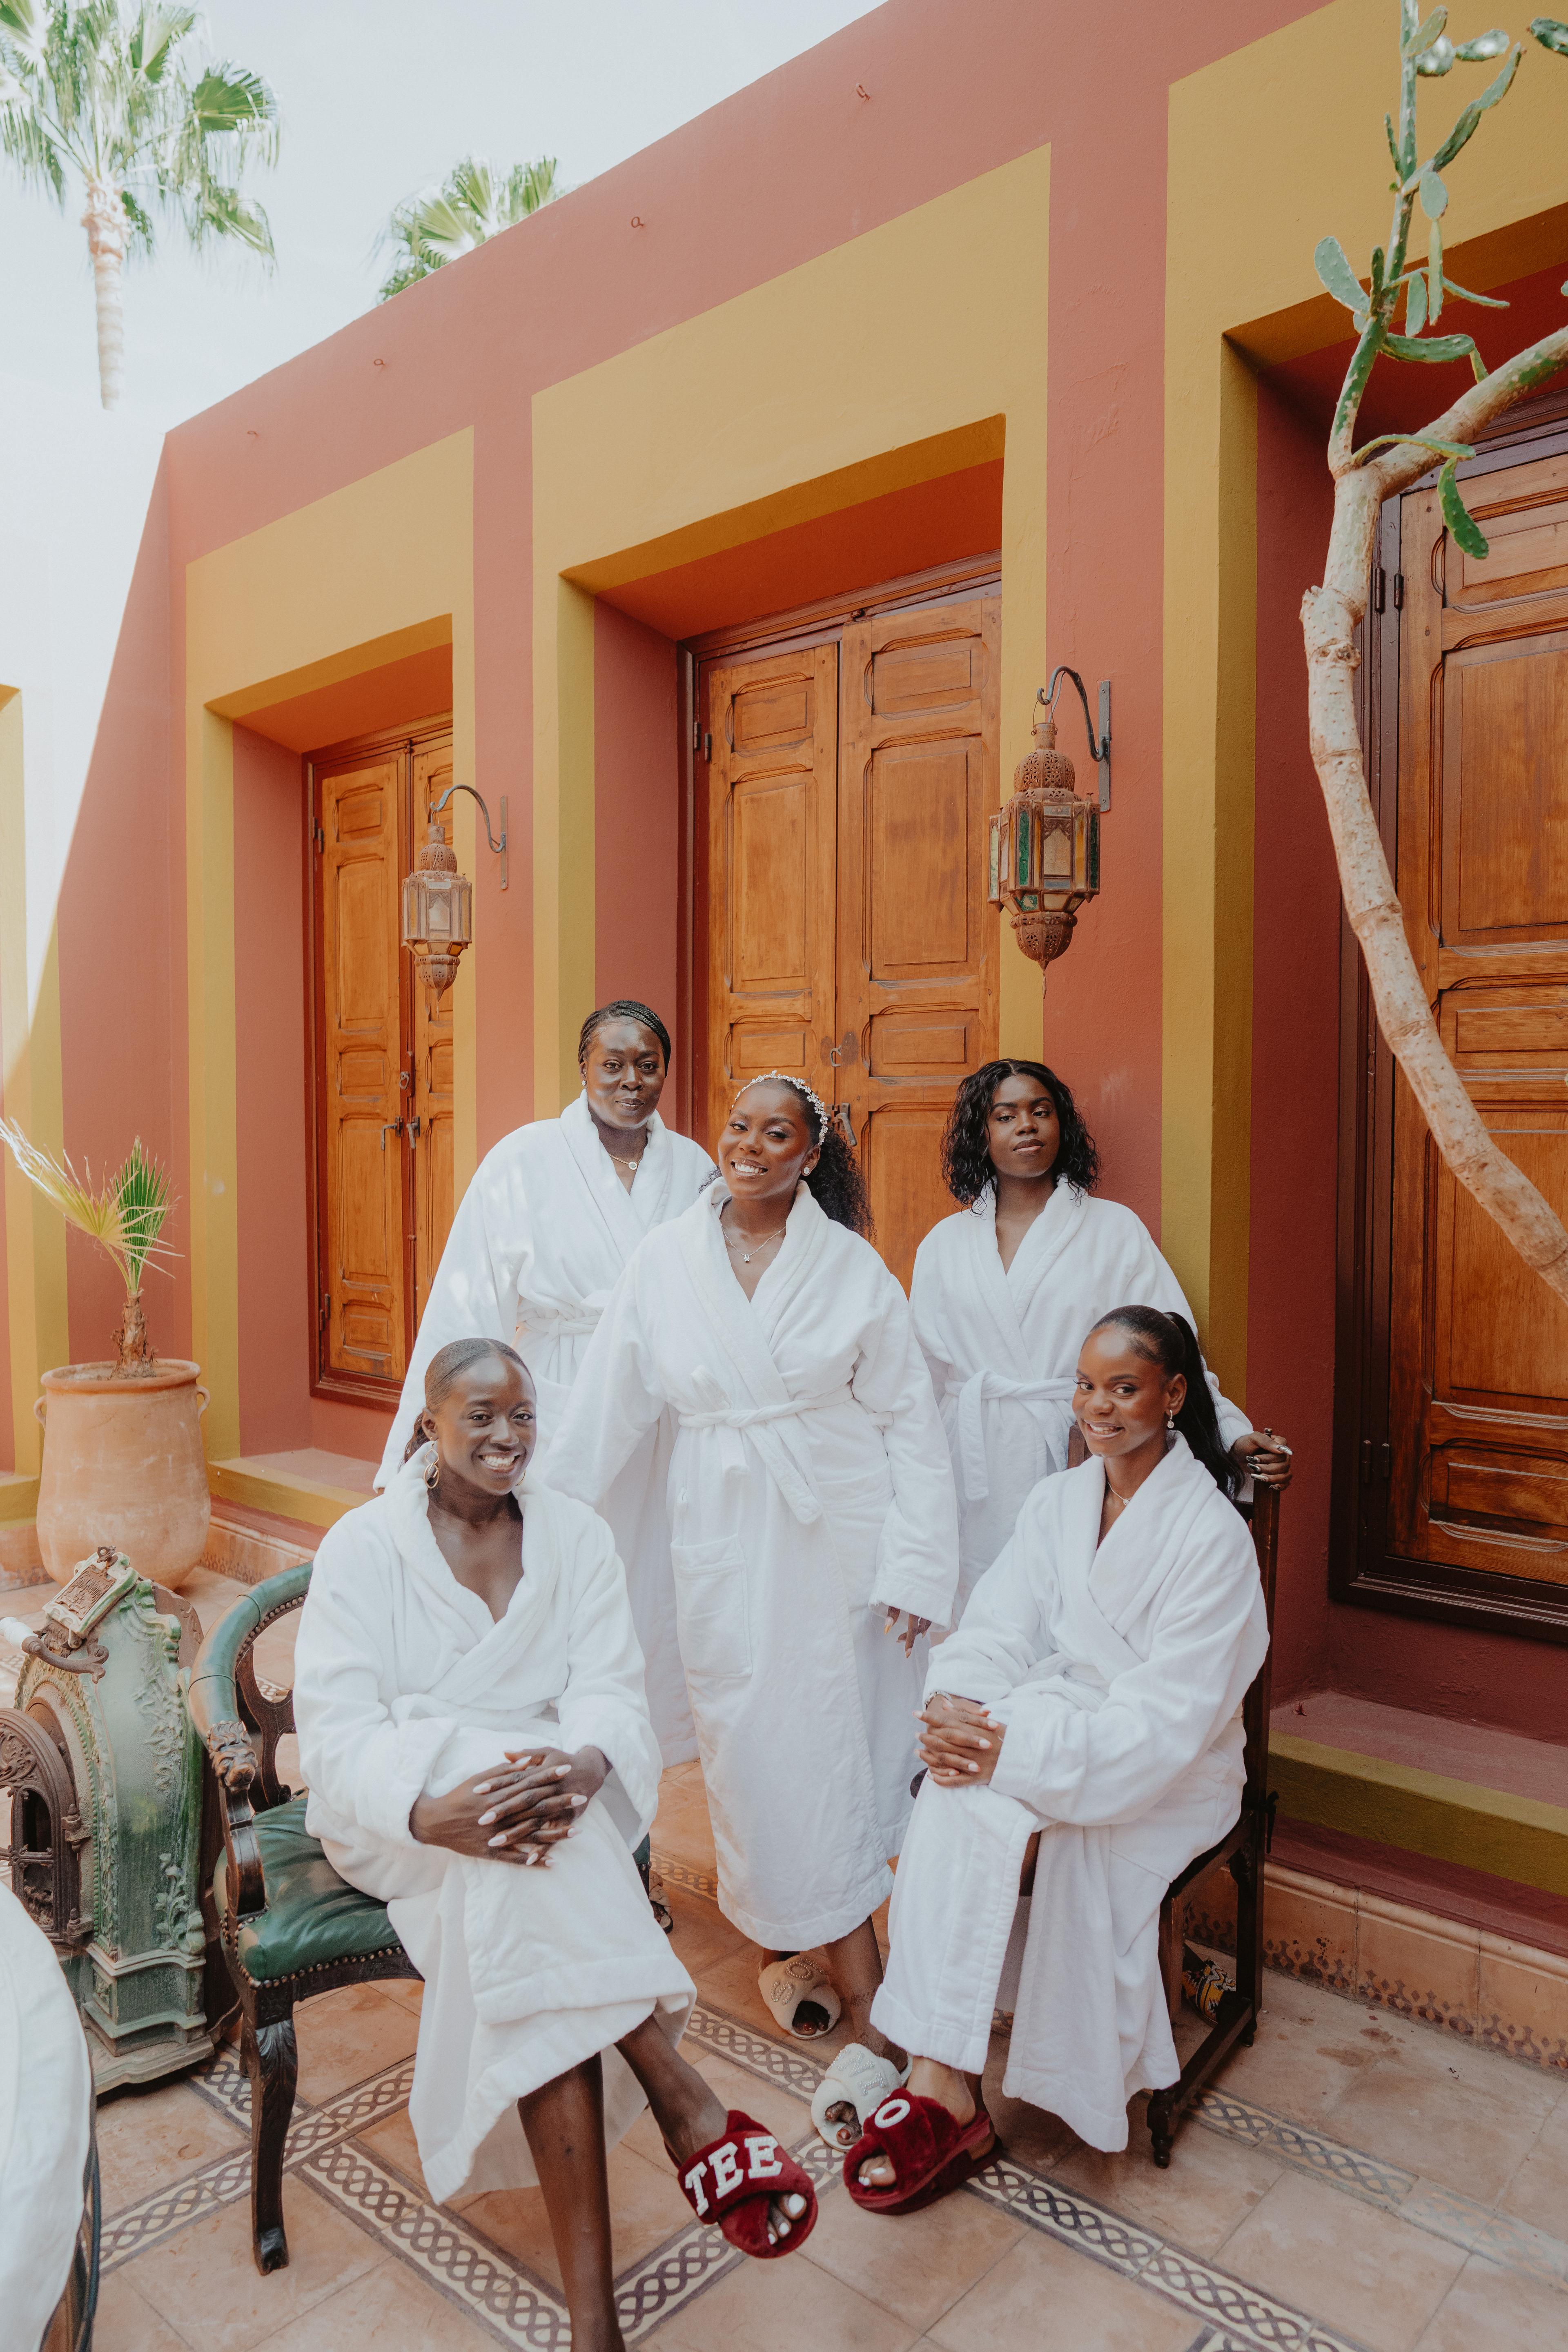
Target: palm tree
column 103, row 93
column 472, row 205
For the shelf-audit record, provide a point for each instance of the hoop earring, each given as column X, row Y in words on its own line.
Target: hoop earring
column 432, row 1476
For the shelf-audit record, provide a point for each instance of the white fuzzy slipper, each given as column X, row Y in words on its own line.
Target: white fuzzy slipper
column 784, row 1984
column 858, row 2077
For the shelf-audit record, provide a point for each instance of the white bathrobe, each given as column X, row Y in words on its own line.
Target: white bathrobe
column 405, row 1684
column 537, row 1245
column 1002, row 1345
column 1119, row 1674
column 809, row 1491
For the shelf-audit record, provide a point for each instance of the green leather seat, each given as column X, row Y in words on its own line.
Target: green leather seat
column 313, row 1915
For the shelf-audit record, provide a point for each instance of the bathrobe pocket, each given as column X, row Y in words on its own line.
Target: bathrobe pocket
column 713, row 1610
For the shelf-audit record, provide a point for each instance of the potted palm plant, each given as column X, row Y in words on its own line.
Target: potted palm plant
column 123, row 1460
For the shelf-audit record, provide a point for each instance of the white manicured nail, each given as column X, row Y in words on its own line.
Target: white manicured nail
column 486, row 1818
column 499, row 1838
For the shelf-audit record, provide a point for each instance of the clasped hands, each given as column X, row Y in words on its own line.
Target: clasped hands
column 516, row 1810
column 960, row 1745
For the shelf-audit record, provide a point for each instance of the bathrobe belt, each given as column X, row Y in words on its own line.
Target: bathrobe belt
column 761, row 1423
column 970, row 1393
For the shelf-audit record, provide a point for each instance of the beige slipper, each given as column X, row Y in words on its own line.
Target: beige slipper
column 784, row 1984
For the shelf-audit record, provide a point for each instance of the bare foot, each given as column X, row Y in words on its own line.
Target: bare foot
column 928, row 2080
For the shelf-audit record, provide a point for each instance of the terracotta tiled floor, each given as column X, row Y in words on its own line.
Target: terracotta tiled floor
column 1356, row 2183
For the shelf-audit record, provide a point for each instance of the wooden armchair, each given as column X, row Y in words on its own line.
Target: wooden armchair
column 1242, row 1851
column 287, row 1924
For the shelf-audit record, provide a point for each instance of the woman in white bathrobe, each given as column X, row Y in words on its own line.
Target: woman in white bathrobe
column 1003, row 1292
column 538, row 1243
column 1083, row 1741
column 812, row 1502
column 470, row 1703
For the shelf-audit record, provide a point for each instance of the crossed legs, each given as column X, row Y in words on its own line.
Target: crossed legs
column 564, row 2122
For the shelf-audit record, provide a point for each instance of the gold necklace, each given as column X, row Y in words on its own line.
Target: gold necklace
column 747, row 1256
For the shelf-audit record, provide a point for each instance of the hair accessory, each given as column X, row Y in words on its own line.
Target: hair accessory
column 786, row 1079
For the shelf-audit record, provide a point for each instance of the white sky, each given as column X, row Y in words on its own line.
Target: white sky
column 378, row 98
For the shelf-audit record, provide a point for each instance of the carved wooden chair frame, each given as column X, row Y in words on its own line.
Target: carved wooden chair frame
column 241, row 1720
column 1241, row 1851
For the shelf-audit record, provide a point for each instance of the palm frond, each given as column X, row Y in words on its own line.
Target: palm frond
column 471, row 205
column 124, row 1215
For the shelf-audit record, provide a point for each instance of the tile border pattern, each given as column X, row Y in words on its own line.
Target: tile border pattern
column 1443, row 2212
column 495, row 2288
column 1460, row 1980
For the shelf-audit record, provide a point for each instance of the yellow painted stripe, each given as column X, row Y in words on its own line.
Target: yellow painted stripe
column 306, row 1499
column 19, row 1498
column 1422, row 1813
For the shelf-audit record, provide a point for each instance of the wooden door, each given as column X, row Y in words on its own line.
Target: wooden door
column 363, row 1303
column 917, row 943
column 1477, row 1420
column 430, row 1129
column 769, row 842
column 843, row 789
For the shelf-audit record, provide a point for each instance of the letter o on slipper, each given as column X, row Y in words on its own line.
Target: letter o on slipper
column 891, row 2111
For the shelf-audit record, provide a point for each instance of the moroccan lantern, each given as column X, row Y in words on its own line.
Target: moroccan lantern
column 438, row 913
column 1044, row 846
column 438, row 901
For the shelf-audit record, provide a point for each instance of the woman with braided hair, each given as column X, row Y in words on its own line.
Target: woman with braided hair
column 812, row 1510
column 537, row 1245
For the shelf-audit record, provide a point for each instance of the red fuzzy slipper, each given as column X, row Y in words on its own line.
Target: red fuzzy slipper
column 931, row 2155
column 732, row 2179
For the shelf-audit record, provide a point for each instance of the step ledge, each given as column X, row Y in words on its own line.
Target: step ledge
column 1493, row 1830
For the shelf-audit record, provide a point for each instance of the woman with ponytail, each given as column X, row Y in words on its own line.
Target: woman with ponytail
column 1083, row 1742
column 814, row 1539
column 537, row 1245
column 1004, row 1290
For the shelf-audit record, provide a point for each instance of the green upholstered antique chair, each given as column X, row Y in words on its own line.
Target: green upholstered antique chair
column 286, row 1926
column 1241, row 1851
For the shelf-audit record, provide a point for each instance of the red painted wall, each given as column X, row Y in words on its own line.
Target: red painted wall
column 637, row 817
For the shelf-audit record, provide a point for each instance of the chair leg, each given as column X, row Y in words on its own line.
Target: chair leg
column 1246, row 1869
column 272, row 2061
column 1161, row 2130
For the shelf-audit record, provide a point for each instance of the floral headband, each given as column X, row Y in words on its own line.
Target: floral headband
column 784, row 1078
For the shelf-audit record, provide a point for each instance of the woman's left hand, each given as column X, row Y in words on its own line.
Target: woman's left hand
column 1265, row 1454
column 539, row 1804
column 913, row 1628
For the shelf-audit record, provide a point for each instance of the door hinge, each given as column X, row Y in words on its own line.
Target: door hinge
column 1375, row 1460
column 1379, row 588
column 320, row 841
column 325, row 1311
column 707, row 747
column 1399, row 591
column 1385, row 1461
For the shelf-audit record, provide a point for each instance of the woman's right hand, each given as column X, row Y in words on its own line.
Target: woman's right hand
column 960, row 1744
column 454, row 1821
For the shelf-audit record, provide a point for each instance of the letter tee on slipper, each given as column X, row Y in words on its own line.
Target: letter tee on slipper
column 732, row 2180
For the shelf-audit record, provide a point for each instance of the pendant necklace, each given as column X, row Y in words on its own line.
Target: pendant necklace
column 747, row 1256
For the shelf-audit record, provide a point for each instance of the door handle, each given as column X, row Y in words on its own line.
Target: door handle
column 845, row 1051
column 393, row 1127
column 838, row 1117
column 413, row 1128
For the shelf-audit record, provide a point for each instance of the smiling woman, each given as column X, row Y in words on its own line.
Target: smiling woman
column 470, row 1702
column 812, row 1503
column 1003, row 1292
column 539, row 1240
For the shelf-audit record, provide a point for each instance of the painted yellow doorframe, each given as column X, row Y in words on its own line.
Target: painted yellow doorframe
column 793, row 400
column 30, row 1047
column 1270, row 148
column 380, row 569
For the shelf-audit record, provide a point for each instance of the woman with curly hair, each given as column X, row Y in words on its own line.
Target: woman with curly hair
column 812, row 1503
column 540, row 1238
column 1003, row 1292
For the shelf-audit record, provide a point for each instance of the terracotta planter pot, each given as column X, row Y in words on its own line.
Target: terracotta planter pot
column 124, row 1464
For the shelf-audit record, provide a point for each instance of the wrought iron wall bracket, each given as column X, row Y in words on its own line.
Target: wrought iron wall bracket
column 499, row 846
column 1098, row 750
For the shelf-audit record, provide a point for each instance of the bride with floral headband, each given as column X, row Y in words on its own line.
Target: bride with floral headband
column 815, row 1542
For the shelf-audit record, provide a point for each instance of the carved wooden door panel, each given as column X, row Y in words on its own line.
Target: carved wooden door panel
column 767, row 811
column 430, row 1131
column 359, row 806
column 917, row 943
column 1477, row 1346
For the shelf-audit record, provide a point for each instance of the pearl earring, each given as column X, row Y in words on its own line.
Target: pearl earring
column 1170, row 1421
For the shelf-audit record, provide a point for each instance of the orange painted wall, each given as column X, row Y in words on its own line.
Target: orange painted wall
column 121, row 958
